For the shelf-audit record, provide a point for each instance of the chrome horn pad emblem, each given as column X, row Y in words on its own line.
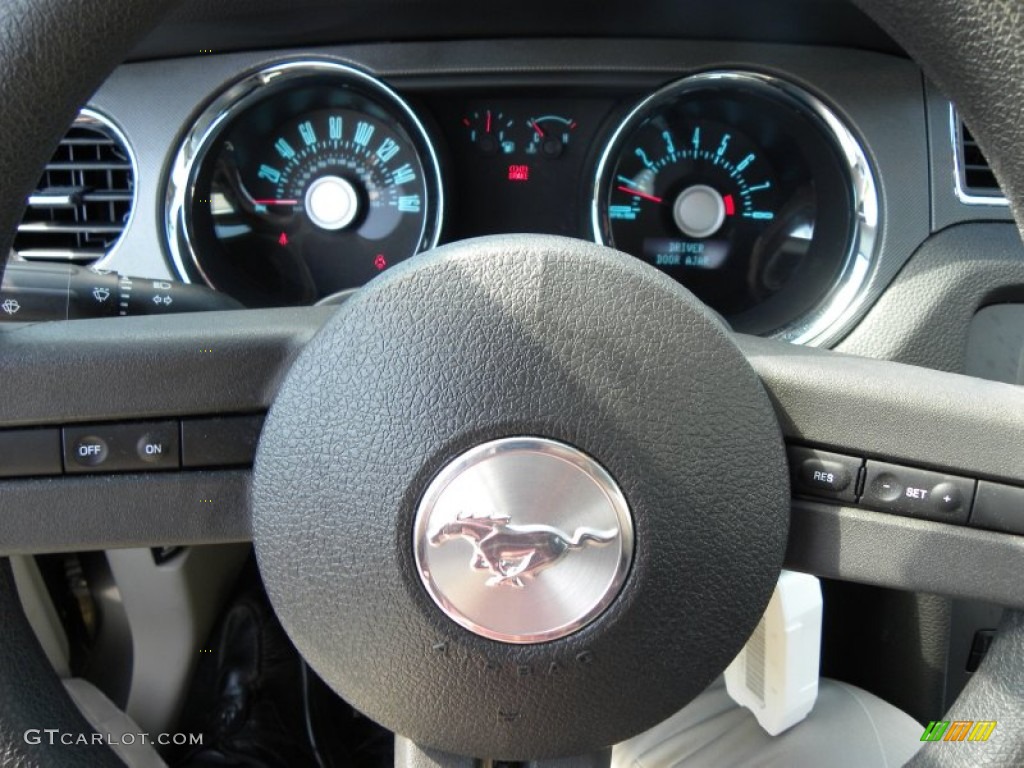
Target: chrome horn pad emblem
column 523, row 539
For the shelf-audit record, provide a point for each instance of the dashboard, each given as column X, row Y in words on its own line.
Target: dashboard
column 245, row 137
column 785, row 185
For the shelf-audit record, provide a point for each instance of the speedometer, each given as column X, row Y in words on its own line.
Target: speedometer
column 304, row 180
column 748, row 191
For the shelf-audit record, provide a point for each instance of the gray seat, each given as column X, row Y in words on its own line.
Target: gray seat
column 848, row 728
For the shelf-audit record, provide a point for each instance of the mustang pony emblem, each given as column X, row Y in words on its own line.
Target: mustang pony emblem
column 515, row 552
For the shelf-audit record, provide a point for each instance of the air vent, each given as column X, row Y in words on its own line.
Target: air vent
column 84, row 199
column 975, row 181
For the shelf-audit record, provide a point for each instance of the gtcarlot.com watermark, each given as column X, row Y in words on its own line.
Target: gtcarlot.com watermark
column 55, row 736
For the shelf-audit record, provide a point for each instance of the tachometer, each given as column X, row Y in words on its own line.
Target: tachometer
column 302, row 181
column 748, row 191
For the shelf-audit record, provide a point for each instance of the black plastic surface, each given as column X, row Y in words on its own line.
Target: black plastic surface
column 220, row 442
column 911, row 415
column 30, row 452
column 248, row 24
column 824, row 474
column 917, row 492
column 148, row 367
column 34, row 292
column 514, row 336
column 143, row 446
column 999, row 508
column 889, row 550
column 90, row 512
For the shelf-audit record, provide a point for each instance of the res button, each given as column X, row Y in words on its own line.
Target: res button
column 821, row 473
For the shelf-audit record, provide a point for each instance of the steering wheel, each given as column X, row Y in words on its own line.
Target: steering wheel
column 479, row 375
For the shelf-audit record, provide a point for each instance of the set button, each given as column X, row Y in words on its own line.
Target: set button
column 918, row 492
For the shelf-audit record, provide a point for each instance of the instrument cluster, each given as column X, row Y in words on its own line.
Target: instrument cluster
column 304, row 180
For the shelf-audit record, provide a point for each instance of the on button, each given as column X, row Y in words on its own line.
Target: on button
column 154, row 448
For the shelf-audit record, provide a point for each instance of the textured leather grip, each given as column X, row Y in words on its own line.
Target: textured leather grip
column 974, row 51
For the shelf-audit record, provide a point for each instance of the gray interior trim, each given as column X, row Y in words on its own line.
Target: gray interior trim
column 41, row 614
column 892, row 551
column 924, row 316
column 84, row 513
column 170, row 609
column 995, row 344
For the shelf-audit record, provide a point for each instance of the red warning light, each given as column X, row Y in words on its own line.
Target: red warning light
column 519, row 173
column 380, row 262
column 283, row 239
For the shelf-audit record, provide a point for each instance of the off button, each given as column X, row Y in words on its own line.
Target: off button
column 90, row 451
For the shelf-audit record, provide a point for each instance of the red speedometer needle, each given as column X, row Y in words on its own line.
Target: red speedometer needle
column 637, row 193
column 276, row 202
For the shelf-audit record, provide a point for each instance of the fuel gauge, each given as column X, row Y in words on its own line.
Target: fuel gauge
column 550, row 135
column 490, row 131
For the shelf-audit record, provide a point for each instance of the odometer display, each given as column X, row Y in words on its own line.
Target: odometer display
column 736, row 189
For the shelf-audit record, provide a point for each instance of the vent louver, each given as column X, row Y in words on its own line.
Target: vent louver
column 975, row 181
column 83, row 200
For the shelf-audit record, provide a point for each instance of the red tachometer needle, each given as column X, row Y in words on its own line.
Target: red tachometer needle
column 276, row 202
column 637, row 193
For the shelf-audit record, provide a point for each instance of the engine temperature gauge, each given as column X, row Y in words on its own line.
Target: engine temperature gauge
column 550, row 135
column 491, row 131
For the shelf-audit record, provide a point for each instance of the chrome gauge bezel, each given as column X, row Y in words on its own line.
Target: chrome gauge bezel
column 238, row 97
column 831, row 317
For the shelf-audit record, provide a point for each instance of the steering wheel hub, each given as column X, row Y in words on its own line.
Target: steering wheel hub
column 521, row 497
column 523, row 540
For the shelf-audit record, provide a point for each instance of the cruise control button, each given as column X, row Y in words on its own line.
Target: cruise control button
column 946, row 497
column 999, row 508
column 121, row 447
column 90, row 451
column 30, row 452
column 156, row 447
column 228, row 441
column 918, row 492
column 886, row 487
column 821, row 473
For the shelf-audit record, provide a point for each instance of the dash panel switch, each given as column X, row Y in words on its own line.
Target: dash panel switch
column 918, row 492
column 825, row 474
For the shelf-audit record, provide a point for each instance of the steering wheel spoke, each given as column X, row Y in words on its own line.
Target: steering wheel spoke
column 888, row 412
column 104, row 374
